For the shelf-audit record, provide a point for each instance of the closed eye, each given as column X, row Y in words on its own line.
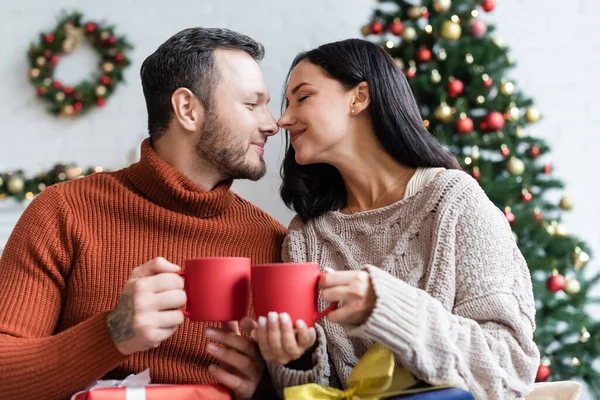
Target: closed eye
column 252, row 105
column 301, row 99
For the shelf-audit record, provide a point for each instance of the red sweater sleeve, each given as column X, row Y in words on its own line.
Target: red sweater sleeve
column 35, row 361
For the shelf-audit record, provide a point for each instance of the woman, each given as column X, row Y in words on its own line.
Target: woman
column 420, row 258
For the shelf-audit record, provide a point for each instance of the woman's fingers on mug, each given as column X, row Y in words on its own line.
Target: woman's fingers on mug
column 306, row 336
column 263, row 339
column 288, row 338
column 274, row 337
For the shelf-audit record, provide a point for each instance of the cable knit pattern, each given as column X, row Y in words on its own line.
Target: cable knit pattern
column 71, row 253
column 454, row 295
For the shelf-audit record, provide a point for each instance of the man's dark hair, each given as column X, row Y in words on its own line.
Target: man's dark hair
column 186, row 60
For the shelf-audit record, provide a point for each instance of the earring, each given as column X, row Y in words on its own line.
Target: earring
column 352, row 111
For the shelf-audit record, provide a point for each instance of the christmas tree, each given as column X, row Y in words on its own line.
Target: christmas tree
column 458, row 74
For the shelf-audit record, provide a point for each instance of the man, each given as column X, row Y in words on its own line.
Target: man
column 87, row 280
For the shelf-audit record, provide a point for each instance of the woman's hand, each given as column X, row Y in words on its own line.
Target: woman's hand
column 277, row 340
column 355, row 290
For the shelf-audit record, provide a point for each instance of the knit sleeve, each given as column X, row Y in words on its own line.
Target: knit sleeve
column 485, row 343
column 35, row 360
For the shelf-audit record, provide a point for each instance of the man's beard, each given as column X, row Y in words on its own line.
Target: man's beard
column 229, row 159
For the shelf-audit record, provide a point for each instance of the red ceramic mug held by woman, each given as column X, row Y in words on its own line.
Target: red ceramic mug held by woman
column 217, row 288
column 291, row 288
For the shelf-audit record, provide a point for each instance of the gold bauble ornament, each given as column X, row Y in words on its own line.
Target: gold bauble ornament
column 579, row 258
column 435, row 76
column 584, row 336
column 575, row 362
column 514, row 114
column 469, row 58
column 34, row 73
column 104, row 35
column 47, row 81
column 399, row 62
column 100, row 91
column 561, row 230
column 566, row 203
column 60, row 96
column 68, row 110
column 450, row 30
column 532, row 115
column 573, row 286
column 515, row 166
column 409, row 34
column 365, row 30
column 441, row 5
column 414, row 12
column 443, row 113
column 507, row 88
column 480, row 100
column 15, row 184
column 108, row 67
column 519, row 131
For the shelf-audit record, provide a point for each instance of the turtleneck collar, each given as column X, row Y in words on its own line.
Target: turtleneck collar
column 169, row 188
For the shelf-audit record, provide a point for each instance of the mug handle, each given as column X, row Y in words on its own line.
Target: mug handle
column 184, row 311
column 329, row 309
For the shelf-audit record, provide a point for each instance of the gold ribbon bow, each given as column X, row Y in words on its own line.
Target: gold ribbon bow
column 372, row 378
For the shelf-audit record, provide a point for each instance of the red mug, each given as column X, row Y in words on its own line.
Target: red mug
column 217, row 288
column 291, row 288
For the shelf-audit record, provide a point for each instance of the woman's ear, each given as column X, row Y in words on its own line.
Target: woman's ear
column 360, row 98
column 185, row 107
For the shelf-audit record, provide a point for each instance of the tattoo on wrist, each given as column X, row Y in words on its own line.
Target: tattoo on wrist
column 120, row 320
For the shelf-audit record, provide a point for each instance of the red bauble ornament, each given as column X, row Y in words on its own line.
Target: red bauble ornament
column 57, row 84
column 397, row 28
column 49, row 38
column 535, row 151
column 100, row 101
column 47, row 53
column 478, row 28
column 410, row 73
column 425, row 14
column 78, row 106
column 488, row 82
column 547, row 169
column 455, row 88
column 505, row 151
column 90, row 27
column 376, row 28
column 510, row 217
column 464, row 125
column 54, row 59
column 476, row 174
column 526, row 196
column 493, row 121
column 119, row 57
column 543, row 373
column 105, row 80
column 68, row 90
column 538, row 216
column 41, row 91
column 556, row 283
column 488, row 5
column 112, row 40
column 423, row 55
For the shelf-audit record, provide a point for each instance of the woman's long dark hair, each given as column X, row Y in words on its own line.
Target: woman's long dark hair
column 312, row 190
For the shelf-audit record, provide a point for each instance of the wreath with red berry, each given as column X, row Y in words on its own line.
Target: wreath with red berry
column 68, row 36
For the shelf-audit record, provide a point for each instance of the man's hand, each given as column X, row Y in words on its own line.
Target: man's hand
column 148, row 310
column 241, row 367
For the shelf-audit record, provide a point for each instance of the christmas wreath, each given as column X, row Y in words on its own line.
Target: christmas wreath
column 68, row 36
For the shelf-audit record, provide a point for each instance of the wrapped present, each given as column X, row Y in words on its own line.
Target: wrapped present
column 138, row 387
column 375, row 377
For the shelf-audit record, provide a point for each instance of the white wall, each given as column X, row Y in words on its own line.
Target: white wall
column 555, row 43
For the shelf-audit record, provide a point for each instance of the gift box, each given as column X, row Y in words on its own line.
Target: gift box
column 138, row 387
column 375, row 377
